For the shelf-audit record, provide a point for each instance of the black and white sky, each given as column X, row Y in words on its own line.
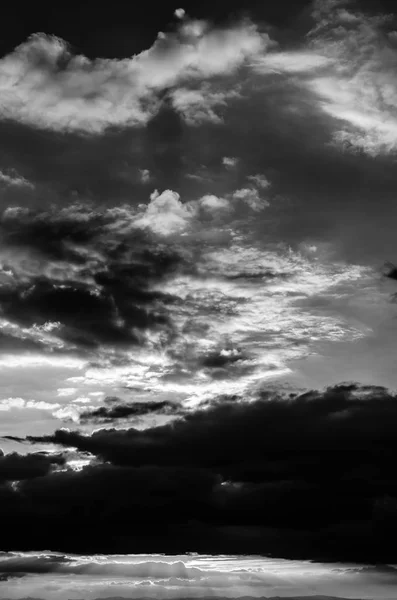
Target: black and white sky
column 198, row 318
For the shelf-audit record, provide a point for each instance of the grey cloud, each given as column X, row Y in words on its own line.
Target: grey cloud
column 115, row 410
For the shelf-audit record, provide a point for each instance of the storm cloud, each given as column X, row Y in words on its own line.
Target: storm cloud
column 307, row 476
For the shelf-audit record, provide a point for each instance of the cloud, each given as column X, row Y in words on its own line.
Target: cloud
column 65, row 294
column 301, row 476
column 165, row 214
column 180, row 13
column 114, row 411
column 142, row 296
column 199, row 106
column 16, row 467
column 251, row 197
column 12, row 179
column 290, row 62
column 213, row 203
column 187, row 576
column 19, row 403
column 358, row 88
column 45, row 85
column 259, row 180
column 145, row 175
column 230, row 162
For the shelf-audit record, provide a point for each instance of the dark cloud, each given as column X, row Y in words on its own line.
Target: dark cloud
column 390, row 271
column 113, row 412
column 16, row 467
column 222, row 358
column 76, row 267
column 301, row 476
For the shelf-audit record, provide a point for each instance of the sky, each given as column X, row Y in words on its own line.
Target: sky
column 198, row 320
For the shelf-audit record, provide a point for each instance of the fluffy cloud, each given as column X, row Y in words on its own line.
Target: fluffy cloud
column 165, row 214
column 45, row 85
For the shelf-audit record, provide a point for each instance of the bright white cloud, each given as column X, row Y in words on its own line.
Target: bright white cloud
column 19, row 403
column 21, row 361
column 180, row 13
column 166, row 214
column 230, row 162
column 65, row 392
column 290, row 62
column 213, row 203
column 90, row 95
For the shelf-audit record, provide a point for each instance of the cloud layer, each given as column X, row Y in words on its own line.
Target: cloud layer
column 169, row 297
column 189, row 239
column 301, row 476
column 187, row 576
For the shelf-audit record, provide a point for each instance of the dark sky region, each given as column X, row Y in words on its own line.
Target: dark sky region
column 198, row 319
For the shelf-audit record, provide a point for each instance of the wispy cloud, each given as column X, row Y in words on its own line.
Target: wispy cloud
column 174, row 298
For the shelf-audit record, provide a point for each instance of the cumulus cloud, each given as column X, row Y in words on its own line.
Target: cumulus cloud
column 166, row 214
column 44, row 84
